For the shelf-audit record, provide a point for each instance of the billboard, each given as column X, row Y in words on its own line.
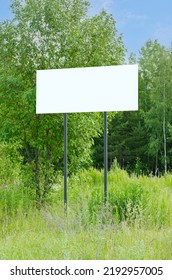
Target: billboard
column 88, row 89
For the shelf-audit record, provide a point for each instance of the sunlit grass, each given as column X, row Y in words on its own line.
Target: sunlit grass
column 136, row 223
column 46, row 236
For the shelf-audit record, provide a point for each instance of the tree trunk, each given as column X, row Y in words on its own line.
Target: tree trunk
column 47, row 185
column 164, row 131
column 156, row 165
column 37, row 168
column 37, row 177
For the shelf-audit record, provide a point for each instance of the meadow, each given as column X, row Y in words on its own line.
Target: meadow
column 135, row 223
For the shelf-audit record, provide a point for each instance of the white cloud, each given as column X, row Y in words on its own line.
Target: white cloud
column 163, row 33
column 130, row 15
column 106, row 4
column 98, row 5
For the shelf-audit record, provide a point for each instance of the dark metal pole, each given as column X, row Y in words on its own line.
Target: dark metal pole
column 65, row 159
column 105, row 156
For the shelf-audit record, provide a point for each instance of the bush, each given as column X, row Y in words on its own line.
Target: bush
column 142, row 199
column 10, row 163
column 13, row 194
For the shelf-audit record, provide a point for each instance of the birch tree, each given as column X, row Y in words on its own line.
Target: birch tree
column 156, row 98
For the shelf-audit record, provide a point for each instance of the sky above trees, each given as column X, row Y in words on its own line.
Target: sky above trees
column 140, row 20
column 137, row 20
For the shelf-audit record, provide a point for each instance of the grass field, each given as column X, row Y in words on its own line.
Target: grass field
column 136, row 223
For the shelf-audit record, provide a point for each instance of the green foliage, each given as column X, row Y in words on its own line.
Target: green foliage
column 10, row 165
column 15, row 199
column 141, row 141
column 136, row 221
column 14, row 196
column 134, row 224
column 59, row 34
column 51, row 235
column 132, row 199
column 155, row 90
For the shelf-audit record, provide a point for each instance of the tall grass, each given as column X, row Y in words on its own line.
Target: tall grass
column 51, row 235
column 130, row 198
column 135, row 223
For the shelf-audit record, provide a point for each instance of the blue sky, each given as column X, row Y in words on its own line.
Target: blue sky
column 137, row 20
column 140, row 20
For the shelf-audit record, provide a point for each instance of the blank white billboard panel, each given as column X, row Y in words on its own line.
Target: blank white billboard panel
column 89, row 89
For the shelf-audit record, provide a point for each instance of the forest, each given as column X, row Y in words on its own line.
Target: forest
column 62, row 34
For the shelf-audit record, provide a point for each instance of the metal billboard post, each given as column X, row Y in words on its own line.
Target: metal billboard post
column 105, row 156
column 65, row 159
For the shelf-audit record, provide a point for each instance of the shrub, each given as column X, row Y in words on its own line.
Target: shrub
column 13, row 194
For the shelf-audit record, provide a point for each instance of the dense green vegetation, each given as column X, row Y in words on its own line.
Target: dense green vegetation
column 59, row 34
column 136, row 222
column 142, row 141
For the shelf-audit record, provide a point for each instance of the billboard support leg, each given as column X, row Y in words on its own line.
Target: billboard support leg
column 105, row 156
column 65, row 159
